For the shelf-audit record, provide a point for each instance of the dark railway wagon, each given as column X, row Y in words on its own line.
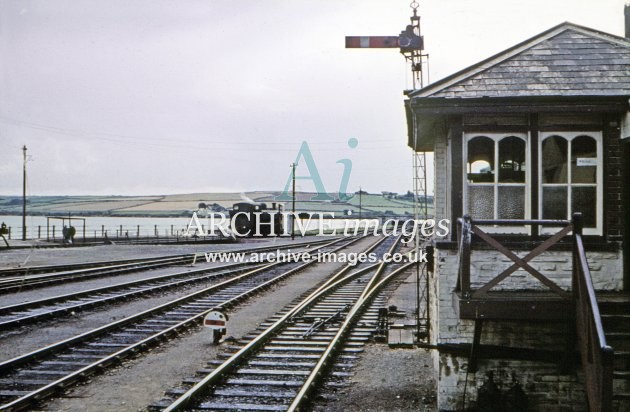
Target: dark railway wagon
column 245, row 217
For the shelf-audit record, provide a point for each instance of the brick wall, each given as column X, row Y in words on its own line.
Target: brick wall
column 441, row 181
column 613, row 181
column 606, row 270
column 546, row 388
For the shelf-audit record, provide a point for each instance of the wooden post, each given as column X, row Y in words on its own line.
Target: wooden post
column 567, row 361
column 293, row 202
column 24, row 196
column 54, row 231
column 39, row 231
column 474, row 348
column 577, row 224
column 102, row 230
column 465, row 257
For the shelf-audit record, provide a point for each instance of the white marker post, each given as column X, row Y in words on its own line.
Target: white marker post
column 217, row 322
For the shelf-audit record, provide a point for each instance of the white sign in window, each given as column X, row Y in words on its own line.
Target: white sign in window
column 586, row 161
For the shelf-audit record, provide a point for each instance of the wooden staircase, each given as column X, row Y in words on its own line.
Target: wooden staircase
column 615, row 313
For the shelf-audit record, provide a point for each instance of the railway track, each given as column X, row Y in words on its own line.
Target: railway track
column 57, row 306
column 17, row 279
column 33, row 377
column 316, row 340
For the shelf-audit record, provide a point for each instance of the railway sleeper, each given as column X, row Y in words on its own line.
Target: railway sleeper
column 334, row 385
column 26, row 384
column 70, row 365
column 281, row 364
column 85, row 356
column 240, row 406
column 322, row 338
column 327, row 333
column 294, row 349
column 264, row 382
column 12, row 393
column 249, row 392
column 272, row 374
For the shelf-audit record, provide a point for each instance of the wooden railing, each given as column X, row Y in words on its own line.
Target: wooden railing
column 596, row 355
column 467, row 228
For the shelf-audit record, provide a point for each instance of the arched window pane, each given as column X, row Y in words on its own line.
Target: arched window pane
column 554, row 160
column 480, row 163
column 512, row 160
column 583, row 160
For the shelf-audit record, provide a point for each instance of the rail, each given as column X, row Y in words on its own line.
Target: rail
column 596, row 355
column 340, row 278
column 27, row 400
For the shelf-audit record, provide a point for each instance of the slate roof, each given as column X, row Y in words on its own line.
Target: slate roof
column 566, row 60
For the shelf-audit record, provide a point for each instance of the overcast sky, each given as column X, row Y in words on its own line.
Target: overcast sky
column 157, row 97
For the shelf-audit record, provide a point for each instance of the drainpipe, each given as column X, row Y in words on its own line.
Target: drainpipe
column 626, row 178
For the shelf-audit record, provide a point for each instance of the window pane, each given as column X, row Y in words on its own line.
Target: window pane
column 583, row 160
column 554, row 160
column 512, row 160
column 555, row 202
column 481, row 202
column 583, row 199
column 481, row 159
column 511, row 202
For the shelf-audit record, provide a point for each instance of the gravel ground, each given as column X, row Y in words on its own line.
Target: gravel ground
column 62, row 289
column 31, row 337
column 387, row 380
column 66, row 255
column 139, row 382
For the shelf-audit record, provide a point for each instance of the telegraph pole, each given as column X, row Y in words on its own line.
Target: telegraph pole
column 24, row 195
column 293, row 219
column 360, row 194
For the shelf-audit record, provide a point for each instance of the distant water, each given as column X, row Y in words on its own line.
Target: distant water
column 95, row 226
column 115, row 226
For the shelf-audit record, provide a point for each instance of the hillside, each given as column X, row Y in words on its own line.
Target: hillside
column 387, row 204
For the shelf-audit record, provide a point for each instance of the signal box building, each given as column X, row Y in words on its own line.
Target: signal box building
column 522, row 141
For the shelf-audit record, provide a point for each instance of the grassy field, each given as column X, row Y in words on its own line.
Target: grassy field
column 370, row 205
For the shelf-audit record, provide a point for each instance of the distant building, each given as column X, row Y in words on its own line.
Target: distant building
column 536, row 132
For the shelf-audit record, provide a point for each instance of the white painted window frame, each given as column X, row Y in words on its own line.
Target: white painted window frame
column 496, row 137
column 599, row 181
